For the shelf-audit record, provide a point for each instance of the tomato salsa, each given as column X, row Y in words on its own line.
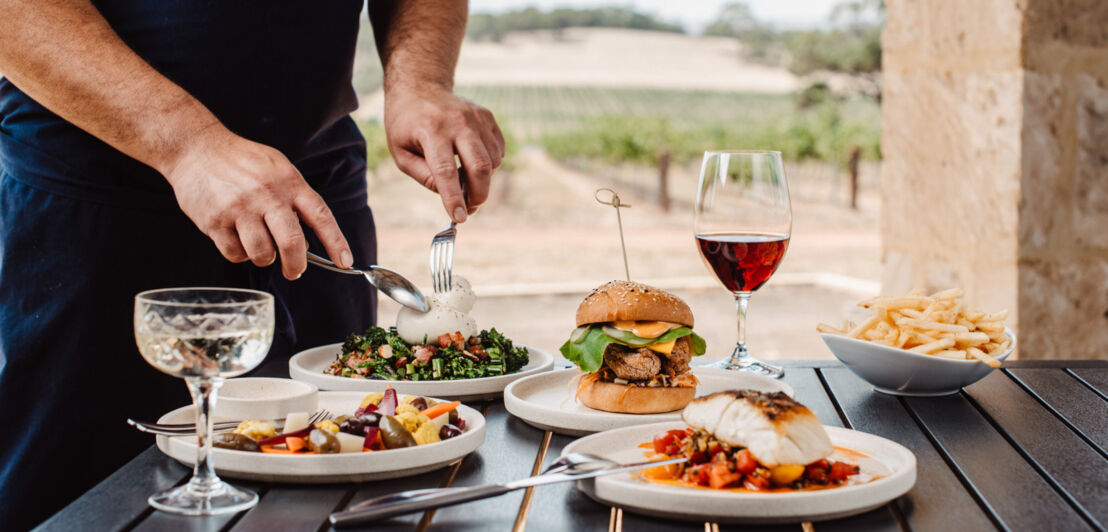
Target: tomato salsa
column 718, row 465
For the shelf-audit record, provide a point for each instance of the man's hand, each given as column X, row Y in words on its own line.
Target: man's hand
column 247, row 197
column 426, row 127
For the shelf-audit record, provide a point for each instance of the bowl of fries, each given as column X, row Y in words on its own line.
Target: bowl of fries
column 921, row 345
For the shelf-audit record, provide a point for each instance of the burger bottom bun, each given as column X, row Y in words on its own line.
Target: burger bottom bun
column 611, row 397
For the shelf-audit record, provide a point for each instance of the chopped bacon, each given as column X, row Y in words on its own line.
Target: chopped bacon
column 424, row 353
column 352, row 361
column 459, row 340
column 400, row 362
column 479, row 351
column 444, row 340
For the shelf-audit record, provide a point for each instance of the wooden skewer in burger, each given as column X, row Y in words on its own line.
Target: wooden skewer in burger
column 634, row 342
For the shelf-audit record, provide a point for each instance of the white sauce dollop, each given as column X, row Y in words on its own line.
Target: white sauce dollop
column 449, row 313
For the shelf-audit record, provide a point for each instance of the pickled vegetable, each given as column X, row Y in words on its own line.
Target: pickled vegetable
column 237, row 442
column 323, row 442
column 394, row 435
column 427, row 433
column 449, row 431
column 255, row 429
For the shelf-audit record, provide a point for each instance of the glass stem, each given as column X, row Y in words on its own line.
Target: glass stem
column 740, row 355
column 204, row 480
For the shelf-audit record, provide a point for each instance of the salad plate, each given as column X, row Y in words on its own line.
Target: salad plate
column 547, row 401
column 892, row 466
column 328, row 468
column 309, row 366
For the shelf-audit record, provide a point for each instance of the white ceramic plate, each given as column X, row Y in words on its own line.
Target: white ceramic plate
column 547, row 401
column 894, row 464
column 327, row 468
column 902, row 372
column 308, row 366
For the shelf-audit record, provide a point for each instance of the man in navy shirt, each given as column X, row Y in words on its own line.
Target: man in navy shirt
column 148, row 144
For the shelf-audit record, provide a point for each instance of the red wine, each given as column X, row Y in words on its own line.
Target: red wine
column 743, row 262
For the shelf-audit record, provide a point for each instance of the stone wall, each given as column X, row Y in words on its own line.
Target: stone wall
column 995, row 120
column 1063, row 211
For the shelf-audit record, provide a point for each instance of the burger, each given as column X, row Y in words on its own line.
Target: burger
column 634, row 342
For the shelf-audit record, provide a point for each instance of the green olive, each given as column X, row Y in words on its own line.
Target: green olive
column 339, row 419
column 323, row 442
column 394, row 435
column 236, row 442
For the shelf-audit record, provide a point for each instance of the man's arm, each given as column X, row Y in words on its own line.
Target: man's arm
column 243, row 195
column 425, row 122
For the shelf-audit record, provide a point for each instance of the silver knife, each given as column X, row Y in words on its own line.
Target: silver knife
column 417, row 500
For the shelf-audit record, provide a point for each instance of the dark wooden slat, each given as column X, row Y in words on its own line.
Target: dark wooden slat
column 369, row 490
column 124, row 492
column 1075, row 467
column 1095, row 377
column 1010, row 487
column 508, row 453
column 810, row 393
column 158, row 521
column 560, row 506
column 938, row 498
column 1070, row 398
column 431, row 479
column 1056, row 364
column 292, row 507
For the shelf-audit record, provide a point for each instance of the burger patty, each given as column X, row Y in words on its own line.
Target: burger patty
column 677, row 361
column 632, row 364
column 641, row 364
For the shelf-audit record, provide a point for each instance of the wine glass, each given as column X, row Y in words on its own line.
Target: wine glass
column 203, row 335
column 743, row 222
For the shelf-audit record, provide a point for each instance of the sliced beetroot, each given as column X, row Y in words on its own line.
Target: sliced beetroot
column 387, row 406
column 370, row 438
column 368, row 408
column 280, row 438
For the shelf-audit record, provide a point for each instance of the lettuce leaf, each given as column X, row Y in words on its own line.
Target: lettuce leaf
column 588, row 351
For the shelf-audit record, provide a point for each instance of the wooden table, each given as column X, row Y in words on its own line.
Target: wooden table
column 1024, row 449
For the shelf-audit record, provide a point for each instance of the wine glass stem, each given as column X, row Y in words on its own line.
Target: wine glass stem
column 204, row 480
column 742, row 299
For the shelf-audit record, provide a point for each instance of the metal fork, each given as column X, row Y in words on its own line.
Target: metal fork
column 442, row 250
column 183, row 429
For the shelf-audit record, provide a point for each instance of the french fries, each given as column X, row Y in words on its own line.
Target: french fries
column 937, row 325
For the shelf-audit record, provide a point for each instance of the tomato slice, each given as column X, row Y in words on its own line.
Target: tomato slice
column 841, row 470
column 745, row 462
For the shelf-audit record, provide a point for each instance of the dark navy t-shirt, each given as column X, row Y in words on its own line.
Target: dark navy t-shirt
column 276, row 72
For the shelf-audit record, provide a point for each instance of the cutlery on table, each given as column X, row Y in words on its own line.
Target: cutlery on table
column 574, row 466
column 184, row 429
column 390, row 283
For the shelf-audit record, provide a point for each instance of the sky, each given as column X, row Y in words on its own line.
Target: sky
column 693, row 14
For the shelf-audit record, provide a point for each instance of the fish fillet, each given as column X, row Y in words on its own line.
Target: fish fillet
column 775, row 428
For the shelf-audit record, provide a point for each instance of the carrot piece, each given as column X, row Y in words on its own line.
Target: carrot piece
column 440, row 409
column 295, row 444
column 273, row 450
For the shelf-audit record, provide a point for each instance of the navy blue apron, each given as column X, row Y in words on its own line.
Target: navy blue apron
column 83, row 228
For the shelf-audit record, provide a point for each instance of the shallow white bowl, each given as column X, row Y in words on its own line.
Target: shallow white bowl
column 900, row 372
column 264, row 398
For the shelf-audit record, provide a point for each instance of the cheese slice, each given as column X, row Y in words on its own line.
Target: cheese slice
column 664, row 348
column 645, row 329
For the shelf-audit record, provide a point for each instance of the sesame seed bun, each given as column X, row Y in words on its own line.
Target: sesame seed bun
column 628, row 399
column 628, row 300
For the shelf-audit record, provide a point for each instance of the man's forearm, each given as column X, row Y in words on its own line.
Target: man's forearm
column 65, row 55
column 418, row 41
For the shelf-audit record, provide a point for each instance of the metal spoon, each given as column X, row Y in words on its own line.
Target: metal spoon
column 390, row 283
column 573, row 466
